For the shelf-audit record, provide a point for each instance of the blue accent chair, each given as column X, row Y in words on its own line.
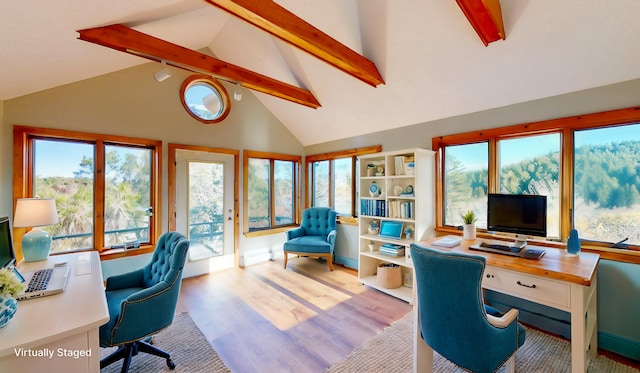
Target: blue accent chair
column 143, row 302
column 454, row 321
column 315, row 237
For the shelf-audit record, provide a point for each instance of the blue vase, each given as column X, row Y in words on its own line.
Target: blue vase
column 573, row 243
column 8, row 308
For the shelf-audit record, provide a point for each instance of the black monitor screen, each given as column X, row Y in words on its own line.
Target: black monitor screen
column 6, row 245
column 517, row 213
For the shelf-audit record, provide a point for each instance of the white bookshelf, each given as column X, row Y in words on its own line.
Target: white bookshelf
column 396, row 203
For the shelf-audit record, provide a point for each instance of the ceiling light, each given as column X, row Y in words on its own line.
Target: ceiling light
column 163, row 74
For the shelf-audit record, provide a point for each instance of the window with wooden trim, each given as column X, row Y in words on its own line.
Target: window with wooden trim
column 105, row 187
column 271, row 190
column 333, row 181
column 587, row 166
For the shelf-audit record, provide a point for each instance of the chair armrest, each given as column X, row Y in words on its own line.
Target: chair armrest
column 125, row 280
column 147, row 293
column 331, row 237
column 296, row 232
column 505, row 320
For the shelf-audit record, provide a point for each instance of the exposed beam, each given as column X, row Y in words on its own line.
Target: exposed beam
column 276, row 20
column 486, row 18
column 128, row 40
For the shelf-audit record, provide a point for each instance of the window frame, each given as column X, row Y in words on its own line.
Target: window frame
column 272, row 157
column 565, row 127
column 331, row 157
column 23, row 178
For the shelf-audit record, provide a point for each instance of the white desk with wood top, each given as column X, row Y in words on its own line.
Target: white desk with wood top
column 558, row 280
column 58, row 333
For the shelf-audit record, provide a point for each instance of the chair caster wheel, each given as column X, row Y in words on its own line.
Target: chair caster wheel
column 171, row 364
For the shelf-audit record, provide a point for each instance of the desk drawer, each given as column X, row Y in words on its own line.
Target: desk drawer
column 534, row 288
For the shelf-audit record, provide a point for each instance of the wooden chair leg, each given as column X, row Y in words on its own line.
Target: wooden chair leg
column 286, row 256
column 330, row 262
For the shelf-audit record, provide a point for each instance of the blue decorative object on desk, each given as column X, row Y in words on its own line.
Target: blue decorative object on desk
column 573, row 243
column 8, row 308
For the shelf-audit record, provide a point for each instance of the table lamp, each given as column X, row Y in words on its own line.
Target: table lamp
column 36, row 213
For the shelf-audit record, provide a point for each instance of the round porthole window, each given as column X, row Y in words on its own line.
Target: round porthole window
column 205, row 99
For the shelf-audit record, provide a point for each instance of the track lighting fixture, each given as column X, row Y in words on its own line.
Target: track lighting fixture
column 237, row 95
column 163, row 74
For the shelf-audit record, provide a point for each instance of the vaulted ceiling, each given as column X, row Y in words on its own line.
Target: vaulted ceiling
column 431, row 60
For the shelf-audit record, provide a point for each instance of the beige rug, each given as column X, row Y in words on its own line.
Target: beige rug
column 391, row 351
column 189, row 349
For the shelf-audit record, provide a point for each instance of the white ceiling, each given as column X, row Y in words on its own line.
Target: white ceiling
column 433, row 63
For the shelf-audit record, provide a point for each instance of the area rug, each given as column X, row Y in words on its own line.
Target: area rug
column 391, row 352
column 189, row 349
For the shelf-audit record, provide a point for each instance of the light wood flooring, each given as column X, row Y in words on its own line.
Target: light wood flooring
column 263, row 318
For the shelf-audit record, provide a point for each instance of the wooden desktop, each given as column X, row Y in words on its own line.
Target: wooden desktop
column 58, row 333
column 558, row 280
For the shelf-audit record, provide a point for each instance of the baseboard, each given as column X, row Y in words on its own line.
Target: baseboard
column 255, row 257
column 619, row 345
column 346, row 261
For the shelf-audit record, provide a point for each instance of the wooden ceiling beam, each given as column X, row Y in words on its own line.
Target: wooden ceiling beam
column 128, row 40
column 278, row 21
column 486, row 18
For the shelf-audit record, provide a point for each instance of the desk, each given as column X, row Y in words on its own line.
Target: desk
column 63, row 325
column 562, row 281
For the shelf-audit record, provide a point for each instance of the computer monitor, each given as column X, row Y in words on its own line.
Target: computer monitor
column 7, row 256
column 522, row 214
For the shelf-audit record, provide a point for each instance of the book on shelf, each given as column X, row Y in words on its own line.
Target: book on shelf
column 447, row 241
column 373, row 207
column 390, row 249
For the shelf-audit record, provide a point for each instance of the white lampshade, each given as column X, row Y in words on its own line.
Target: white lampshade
column 35, row 212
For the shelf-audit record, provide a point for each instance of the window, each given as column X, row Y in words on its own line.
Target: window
column 607, row 184
column 465, row 182
column 531, row 165
column 105, row 188
column 587, row 166
column 333, row 180
column 271, row 190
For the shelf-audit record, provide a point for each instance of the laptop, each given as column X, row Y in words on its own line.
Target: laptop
column 391, row 229
column 40, row 283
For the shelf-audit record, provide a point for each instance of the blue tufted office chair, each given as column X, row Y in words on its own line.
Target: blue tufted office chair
column 453, row 318
column 142, row 303
column 316, row 235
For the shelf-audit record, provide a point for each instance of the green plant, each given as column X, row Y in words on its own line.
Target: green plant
column 469, row 217
column 9, row 283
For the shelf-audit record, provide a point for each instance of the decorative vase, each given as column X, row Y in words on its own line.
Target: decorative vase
column 374, row 227
column 8, row 308
column 469, row 231
column 573, row 243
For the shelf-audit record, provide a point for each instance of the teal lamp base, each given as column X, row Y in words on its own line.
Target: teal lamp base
column 36, row 245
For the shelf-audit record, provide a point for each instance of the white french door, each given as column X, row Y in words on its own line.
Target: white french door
column 205, row 203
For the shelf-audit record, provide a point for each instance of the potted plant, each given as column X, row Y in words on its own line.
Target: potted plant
column 10, row 286
column 469, row 219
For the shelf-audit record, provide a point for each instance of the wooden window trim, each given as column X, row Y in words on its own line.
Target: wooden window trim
column 296, row 189
column 23, row 137
column 350, row 153
column 566, row 127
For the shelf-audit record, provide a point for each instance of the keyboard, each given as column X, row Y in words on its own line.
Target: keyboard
column 40, row 280
column 512, row 249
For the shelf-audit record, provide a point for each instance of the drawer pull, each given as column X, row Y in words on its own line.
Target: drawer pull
column 527, row 286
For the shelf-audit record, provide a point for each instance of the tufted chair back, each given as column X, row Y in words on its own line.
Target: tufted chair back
column 167, row 261
column 318, row 221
